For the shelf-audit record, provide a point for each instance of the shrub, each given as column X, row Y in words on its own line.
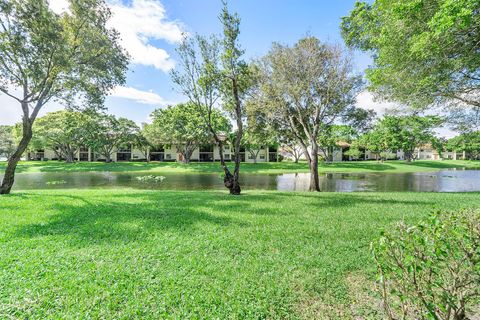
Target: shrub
column 431, row 270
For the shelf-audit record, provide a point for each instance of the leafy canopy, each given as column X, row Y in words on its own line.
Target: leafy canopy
column 7, row 141
column 183, row 123
column 64, row 131
column 424, row 51
column 73, row 57
column 107, row 133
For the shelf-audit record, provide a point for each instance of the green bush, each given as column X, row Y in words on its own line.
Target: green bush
column 431, row 270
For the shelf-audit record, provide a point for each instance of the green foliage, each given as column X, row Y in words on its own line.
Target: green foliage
column 400, row 133
column 331, row 136
column 360, row 119
column 7, row 141
column 259, row 133
column 376, row 141
column 424, row 51
column 354, row 152
column 107, row 133
column 185, row 127
column 72, row 56
column 306, row 88
column 62, row 131
column 213, row 70
column 431, row 270
column 468, row 142
column 409, row 132
column 236, row 79
column 141, row 142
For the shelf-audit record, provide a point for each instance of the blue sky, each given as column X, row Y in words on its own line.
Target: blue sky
column 151, row 30
column 263, row 22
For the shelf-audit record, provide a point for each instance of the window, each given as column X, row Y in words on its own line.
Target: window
column 206, row 148
column 227, row 157
column 125, row 149
column 159, row 148
column 168, row 156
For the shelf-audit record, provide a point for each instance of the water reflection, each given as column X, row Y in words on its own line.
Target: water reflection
column 441, row 181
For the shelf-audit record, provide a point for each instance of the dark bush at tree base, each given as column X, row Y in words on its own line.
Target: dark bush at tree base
column 431, row 270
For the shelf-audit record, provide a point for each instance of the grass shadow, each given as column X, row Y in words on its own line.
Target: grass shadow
column 90, row 221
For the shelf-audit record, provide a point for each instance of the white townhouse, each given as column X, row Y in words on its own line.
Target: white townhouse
column 423, row 152
column 166, row 153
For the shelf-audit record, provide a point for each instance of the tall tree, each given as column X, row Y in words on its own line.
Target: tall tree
column 236, row 82
column 141, row 142
column 184, row 127
column 376, row 141
column 361, row 120
column 307, row 87
column 330, row 137
column 424, row 52
column 258, row 133
column 212, row 71
column 106, row 133
column 467, row 142
column 7, row 141
column 62, row 131
column 44, row 56
column 409, row 132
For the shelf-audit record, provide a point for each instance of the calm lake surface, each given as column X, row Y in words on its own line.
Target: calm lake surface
column 441, row 181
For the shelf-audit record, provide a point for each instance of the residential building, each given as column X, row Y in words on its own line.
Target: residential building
column 165, row 153
column 424, row 152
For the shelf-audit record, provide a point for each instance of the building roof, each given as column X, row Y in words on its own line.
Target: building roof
column 343, row 144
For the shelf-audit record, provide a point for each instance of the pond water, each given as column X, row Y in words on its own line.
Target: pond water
column 441, row 181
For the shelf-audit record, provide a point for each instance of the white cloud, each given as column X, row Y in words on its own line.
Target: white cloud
column 365, row 100
column 138, row 24
column 145, row 97
column 141, row 22
column 58, row 6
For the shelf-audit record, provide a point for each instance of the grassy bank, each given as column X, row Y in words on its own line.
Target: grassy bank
column 272, row 167
column 141, row 254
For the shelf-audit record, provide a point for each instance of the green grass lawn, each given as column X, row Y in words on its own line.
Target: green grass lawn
column 272, row 167
column 128, row 254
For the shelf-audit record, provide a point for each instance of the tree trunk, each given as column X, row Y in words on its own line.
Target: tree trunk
column 228, row 179
column 254, row 156
column 69, row 156
column 408, row 156
column 9, row 176
column 314, row 179
column 232, row 181
column 235, row 184
column 186, row 151
column 108, row 158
